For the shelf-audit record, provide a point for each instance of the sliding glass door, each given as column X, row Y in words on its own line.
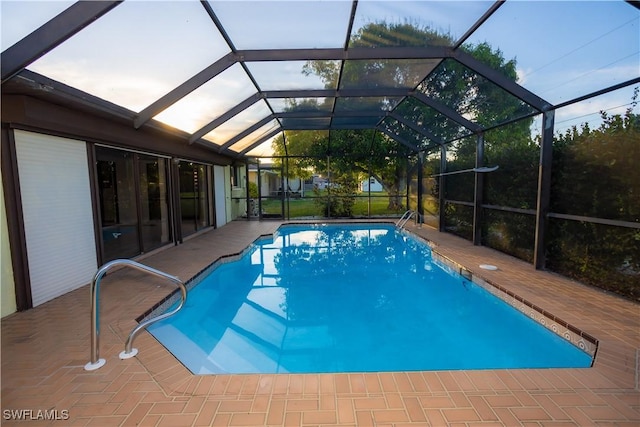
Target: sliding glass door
column 194, row 200
column 133, row 196
column 154, row 212
column 116, row 184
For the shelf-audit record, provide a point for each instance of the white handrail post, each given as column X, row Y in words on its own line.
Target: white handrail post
column 94, row 294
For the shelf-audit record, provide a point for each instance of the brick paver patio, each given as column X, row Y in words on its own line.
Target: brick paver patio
column 45, row 349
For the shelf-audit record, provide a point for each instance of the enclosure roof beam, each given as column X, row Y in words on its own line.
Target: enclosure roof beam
column 450, row 113
column 345, row 46
column 223, row 31
column 501, row 80
column 478, row 23
column 247, row 131
column 298, row 114
column 422, row 131
column 399, row 139
column 259, row 141
column 334, row 93
column 598, row 93
column 294, row 115
column 320, row 114
column 226, row 116
column 340, row 54
column 348, row 127
column 243, row 56
column 318, row 93
column 184, row 89
column 51, row 34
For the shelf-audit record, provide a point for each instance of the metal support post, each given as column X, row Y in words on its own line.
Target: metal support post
column 478, row 192
column 441, row 187
column 419, row 207
column 544, row 189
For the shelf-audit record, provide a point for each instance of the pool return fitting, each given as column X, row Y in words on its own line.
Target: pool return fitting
column 129, row 351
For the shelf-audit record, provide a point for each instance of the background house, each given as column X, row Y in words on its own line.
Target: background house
column 370, row 184
column 272, row 182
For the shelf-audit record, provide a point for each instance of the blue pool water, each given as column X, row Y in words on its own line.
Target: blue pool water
column 351, row 298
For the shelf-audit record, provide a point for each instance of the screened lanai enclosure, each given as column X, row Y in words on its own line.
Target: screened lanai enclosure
column 512, row 124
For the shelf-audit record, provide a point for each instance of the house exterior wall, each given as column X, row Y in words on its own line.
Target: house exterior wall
column 21, row 112
column 227, row 193
column 7, row 289
column 371, row 184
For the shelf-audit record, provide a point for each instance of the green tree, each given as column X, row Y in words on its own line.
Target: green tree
column 379, row 155
column 338, row 200
column 596, row 175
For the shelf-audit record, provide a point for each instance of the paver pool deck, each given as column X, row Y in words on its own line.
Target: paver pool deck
column 44, row 351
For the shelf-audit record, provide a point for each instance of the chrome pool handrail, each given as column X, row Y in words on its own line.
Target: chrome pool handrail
column 128, row 352
column 405, row 218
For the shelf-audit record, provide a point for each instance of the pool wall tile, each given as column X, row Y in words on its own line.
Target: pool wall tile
column 575, row 336
column 164, row 305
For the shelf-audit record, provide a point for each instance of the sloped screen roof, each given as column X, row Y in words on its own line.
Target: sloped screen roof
column 232, row 75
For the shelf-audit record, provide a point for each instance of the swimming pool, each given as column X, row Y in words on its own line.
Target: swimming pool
column 351, row 298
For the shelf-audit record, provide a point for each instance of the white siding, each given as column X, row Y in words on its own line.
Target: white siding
column 58, row 219
column 220, row 195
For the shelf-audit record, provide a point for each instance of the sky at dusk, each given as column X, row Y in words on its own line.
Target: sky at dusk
column 141, row 50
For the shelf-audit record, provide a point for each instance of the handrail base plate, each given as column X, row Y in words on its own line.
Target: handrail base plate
column 124, row 355
column 93, row 366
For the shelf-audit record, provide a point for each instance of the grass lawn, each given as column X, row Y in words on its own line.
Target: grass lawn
column 307, row 206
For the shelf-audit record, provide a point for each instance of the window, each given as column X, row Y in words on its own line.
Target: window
column 236, row 176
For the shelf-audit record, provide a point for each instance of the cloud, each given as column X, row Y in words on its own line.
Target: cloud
column 567, row 84
column 589, row 111
column 522, row 75
column 132, row 91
